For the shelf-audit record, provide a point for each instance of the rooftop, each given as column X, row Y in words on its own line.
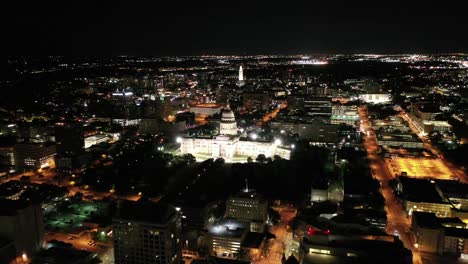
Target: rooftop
column 420, row 190
column 228, row 228
column 398, row 137
column 149, row 212
column 426, row 220
column 208, row 105
column 456, row 232
column 453, row 188
column 9, row 207
column 437, row 123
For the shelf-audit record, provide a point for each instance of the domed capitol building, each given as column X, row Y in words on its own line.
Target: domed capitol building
column 229, row 145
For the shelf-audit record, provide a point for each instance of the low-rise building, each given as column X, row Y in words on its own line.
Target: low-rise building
column 399, row 140
column 314, row 132
column 94, row 140
column 34, row 155
column 206, row 109
column 442, row 236
column 316, row 247
column 421, row 195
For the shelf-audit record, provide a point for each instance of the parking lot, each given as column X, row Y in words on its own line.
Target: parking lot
column 420, row 167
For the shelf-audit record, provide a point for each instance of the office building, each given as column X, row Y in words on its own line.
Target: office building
column 22, row 223
column 69, row 141
column 315, row 132
column 34, row 155
column 442, row 236
column 69, row 138
column 342, row 114
column 248, row 206
column 421, row 195
column 310, row 105
column 95, row 139
column 146, row 233
column 399, row 140
column 323, row 247
column 226, row 237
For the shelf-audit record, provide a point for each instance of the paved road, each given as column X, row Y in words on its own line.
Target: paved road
column 397, row 220
column 282, row 243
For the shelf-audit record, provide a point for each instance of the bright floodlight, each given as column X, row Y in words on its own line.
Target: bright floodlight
column 179, row 140
column 278, row 142
column 293, row 146
column 254, row 136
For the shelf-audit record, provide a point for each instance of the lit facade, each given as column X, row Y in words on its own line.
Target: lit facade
column 226, row 237
column 241, row 74
column 34, row 155
column 94, row 140
column 145, row 234
column 206, row 109
column 248, row 206
column 375, row 98
column 228, row 143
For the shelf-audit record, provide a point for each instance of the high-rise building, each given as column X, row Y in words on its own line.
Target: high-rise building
column 22, row 223
column 241, row 81
column 241, row 74
column 69, row 138
column 34, row 155
column 247, row 205
column 146, row 232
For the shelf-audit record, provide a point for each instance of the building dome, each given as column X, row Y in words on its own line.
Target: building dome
column 228, row 116
column 228, row 124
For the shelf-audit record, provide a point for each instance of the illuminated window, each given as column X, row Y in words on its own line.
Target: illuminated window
column 319, row 251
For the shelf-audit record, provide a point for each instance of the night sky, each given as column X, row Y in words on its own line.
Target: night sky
column 233, row 27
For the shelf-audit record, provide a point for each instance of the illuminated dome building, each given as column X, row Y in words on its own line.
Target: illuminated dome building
column 228, row 124
column 228, row 144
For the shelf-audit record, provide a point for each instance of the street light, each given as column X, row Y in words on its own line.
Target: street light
column 278, row 142
column 179, row 140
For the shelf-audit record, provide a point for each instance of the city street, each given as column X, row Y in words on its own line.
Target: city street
column 397, row 221
column 282, row 242
column 271, row 115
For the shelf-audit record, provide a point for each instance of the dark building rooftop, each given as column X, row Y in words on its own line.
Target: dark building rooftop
column 420, row 190
column 148, row 212
column 453, row 188
column 426, row 220
column 9, row 207
column 456, row 232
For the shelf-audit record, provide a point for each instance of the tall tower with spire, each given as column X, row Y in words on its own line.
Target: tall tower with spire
column 241, row 74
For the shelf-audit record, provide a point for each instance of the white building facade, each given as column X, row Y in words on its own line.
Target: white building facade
column 228, row 143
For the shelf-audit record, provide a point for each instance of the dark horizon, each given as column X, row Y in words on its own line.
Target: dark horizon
column 237, row 27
